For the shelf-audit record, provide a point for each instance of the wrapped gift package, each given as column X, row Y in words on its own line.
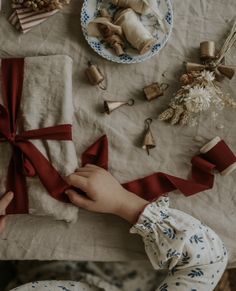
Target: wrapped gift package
column 45, row 103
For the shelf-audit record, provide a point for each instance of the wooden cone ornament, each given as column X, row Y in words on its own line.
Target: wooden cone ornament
column 226, row 71
column 148, row 142
column 110, row 106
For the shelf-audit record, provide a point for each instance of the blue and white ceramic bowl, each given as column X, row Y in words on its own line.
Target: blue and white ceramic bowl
column 90, row 11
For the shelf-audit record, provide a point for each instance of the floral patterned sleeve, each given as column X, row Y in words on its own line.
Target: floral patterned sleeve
column 193, row 254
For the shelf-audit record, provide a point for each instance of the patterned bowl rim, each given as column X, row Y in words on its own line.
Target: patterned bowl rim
column 141, row 58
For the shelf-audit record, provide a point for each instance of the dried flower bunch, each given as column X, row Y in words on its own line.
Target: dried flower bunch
column 199, row 92
column 200, row 88
column 42, row 5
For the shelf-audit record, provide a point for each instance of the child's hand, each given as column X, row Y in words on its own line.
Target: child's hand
column 4, row 202
column 104, row 194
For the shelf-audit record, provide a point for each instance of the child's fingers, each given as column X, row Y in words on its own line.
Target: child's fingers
column 84, row 174
column 88, row 168
column 91, row 166
column 78, row 199
column 5, row 201
column 2, row 223
column 77, row 181
column 85, row 169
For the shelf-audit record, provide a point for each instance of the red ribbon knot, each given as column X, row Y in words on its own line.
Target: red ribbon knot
column 12, row 138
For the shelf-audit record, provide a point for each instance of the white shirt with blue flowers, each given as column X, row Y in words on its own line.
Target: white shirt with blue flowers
column 192, row 252
column 193, row 255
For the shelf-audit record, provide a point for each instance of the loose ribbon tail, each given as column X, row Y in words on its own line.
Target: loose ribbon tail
column 16, row 182
column 97, row 153
column 158, row 184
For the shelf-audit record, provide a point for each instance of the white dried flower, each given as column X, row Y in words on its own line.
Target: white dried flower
column 208, row 75
column 198, row 99
column 216, row 94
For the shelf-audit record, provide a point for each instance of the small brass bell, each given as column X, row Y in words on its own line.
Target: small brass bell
column 95, row 76
column 110, row 106
column 148, row 142
column 155, row 90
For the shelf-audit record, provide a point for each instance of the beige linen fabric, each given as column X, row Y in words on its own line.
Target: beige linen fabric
column 46, row 101
column 102, row 237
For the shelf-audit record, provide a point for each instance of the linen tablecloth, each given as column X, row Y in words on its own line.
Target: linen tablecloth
column 104, row 237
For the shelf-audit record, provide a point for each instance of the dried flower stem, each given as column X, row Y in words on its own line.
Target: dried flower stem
column 42, row 5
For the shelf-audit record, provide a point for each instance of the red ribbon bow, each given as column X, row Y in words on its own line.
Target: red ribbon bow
column 26, row 158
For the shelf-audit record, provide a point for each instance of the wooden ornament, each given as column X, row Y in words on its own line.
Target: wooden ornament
column 213, row 61
column 95, row 76
column 155, row 90
column 208, row 50
column 110, row 106
column 110, row 36
column 148, row 142
column 117, row 44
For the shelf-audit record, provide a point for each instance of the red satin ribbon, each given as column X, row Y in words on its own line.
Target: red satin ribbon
column 221, row 155
column 158, row 184
column 26, row 158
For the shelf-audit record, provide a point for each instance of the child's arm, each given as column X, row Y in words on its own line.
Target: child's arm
column 104, row 194
column 4, row 202
column 174, row 240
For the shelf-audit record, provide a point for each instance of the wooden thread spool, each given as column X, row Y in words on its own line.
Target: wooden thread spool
column 219, row 154
column 116, row 43
column 208, row 50
column 95, row 76
column 155, row 90
column 134, row 30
